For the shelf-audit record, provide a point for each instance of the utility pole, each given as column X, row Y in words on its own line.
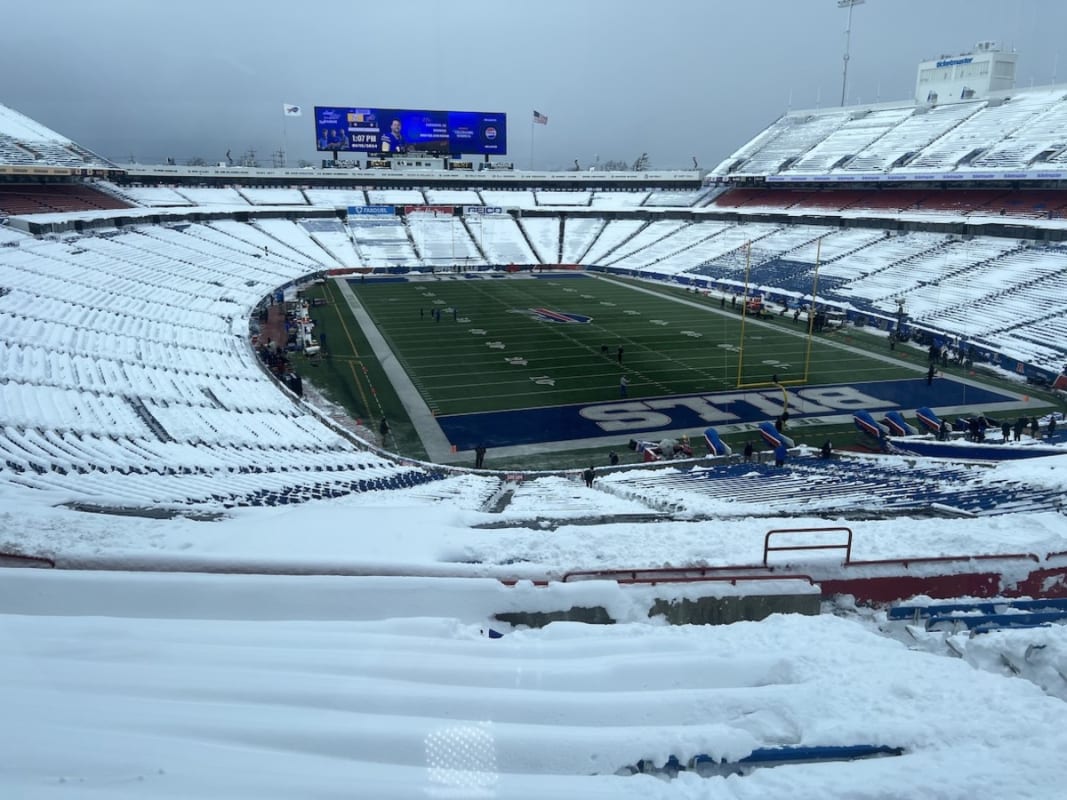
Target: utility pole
column 849, row 4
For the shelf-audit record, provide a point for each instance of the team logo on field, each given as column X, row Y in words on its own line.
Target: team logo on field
column 549, row 315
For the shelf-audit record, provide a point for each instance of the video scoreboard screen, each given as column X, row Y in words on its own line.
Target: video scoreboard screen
column 402, row 130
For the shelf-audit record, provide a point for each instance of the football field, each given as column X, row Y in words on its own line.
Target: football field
column 569, row 358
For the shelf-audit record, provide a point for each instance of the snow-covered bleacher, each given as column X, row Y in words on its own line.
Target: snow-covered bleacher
column 838, row 485
column 648, row 236
column 212, row 196
column 127, row 376
column 784, row 142
column 856, row 134
column 336, row 198
column 453, row 197
column 332, row 236
column 1009, row 131
column 996, row 291
column 579, row 233
column 508, row 198
column 273, row 196
column 441, row 239
column 611, row 201
column 835, row 245
column 293, row 237
column 502, row 240
column 920, row 274
column 1040, row 135
column 988, row 126
column 259, row 240
column 151, row 196
column 880, row 255
column 25, row 142
column 382, row 241
column 561, row 197
column 614, row 234
column 660, row 199
column 395, row 197
column 914, row 133
column 10, row 236
column 544, row 235
column 675, row 253
column 727, row 250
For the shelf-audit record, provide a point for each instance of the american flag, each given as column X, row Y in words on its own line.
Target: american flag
column 540, row 118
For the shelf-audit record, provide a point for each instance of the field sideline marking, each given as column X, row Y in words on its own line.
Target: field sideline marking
column 913, row 366
column 437, row 446
column 357, row 359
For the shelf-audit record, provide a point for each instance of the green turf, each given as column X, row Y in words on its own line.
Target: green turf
column 456, row 371
column 680, row 343
column 349, row 373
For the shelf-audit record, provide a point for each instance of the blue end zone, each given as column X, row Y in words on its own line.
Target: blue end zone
column 650, row 416
column 551, row 276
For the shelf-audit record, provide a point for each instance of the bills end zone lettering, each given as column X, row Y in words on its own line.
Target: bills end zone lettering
column 655, row 414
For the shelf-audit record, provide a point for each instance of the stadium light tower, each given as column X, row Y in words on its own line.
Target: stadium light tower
column 849, row 4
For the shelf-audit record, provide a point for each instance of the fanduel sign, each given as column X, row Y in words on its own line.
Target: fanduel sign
column 371, row 211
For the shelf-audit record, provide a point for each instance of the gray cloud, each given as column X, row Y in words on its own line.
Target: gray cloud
column 674, row 78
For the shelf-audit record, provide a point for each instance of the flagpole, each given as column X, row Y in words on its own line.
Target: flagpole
column 531, row 142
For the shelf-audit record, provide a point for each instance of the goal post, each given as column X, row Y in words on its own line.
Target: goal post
column 777, row 380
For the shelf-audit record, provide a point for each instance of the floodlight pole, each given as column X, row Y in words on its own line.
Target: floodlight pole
column 849, row 4
column 811, row 309
column 744, row 308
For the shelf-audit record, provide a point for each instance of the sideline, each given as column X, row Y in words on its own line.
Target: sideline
column 916, row 366
column 438, row 448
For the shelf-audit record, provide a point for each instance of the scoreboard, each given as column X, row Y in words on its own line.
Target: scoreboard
column 402, row 130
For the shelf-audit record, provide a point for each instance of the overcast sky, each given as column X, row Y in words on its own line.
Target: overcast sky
column 673, row 78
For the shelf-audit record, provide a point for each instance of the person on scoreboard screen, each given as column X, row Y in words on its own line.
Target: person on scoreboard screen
column 393, row 139
column 338, row 139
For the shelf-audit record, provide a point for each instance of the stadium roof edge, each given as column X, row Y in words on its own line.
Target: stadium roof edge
column 31, row 146
column 1002, row 94
column 18, row 126
column 157, row 172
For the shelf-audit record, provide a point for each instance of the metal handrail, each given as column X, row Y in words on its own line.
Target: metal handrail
column 654, row 575
column 847, row 546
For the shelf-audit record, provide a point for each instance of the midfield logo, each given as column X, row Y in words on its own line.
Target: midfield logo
column 548, row 315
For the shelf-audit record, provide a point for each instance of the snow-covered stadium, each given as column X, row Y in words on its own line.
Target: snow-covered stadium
column 212, row 587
